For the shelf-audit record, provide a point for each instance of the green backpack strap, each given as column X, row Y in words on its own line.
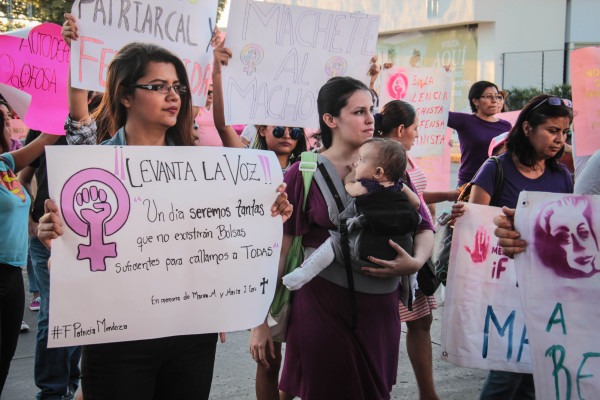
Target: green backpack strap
column 308, row 166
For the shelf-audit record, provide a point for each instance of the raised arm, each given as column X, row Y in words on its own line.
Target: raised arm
column 78, row 106
column 228, row 136
column 27, row 154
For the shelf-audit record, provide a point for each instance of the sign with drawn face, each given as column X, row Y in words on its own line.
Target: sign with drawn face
column 283, row 54
column 161, row 234
column 181, row 26
column 33, row 77
column 483, row 322
column 559, row 277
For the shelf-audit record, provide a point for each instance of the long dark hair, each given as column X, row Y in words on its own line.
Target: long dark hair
column 537, row 111
column 3, row 142
column 129, row 65
column 477, row 90
column 392, row 115
column 260, row 142
column 333, row 96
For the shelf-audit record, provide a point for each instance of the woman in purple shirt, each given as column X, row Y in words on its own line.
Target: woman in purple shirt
column 533, row 148
column 475, row 131
column 325, row 358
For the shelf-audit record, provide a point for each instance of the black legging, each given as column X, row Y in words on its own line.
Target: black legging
column 12, row 303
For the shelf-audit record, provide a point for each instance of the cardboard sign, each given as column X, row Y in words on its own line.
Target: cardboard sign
column 37, row 67
column 559, row 280
column 585, row 83
column 483, row 324
column 283, row 54
column 156, row 235
column 183, row 27
column 429, row 91
column 437, row 169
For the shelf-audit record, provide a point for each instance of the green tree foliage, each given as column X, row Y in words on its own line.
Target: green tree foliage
column 38, row 10
column 47, row 11
column 220, row 8
column 518, row 97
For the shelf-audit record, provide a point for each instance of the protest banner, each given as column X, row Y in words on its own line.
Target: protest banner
column 483, row 324
column 104, row 26
column 37, row 67
column 509, row 116
column 283, row 54
column 559, row 277
column 161, row 241
column 437, row 169
column 429, row 91
column 585, row 84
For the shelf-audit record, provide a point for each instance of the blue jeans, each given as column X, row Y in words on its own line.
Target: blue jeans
column 502, row 385
column 57, row 368
column 33, row 288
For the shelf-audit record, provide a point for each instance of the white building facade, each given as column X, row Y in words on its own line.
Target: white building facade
column 514, row 43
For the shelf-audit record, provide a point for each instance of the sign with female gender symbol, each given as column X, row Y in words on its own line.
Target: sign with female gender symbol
column 96, row 216
column 158, row 233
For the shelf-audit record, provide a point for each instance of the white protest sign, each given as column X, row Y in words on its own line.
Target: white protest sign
column 161, row 241
column 429, row 91
column 283, row 54
column 183, row 26
column 483, row 324
column 559, row 279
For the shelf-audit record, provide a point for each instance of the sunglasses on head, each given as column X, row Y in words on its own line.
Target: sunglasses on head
column 295, row 133
column 554, row 101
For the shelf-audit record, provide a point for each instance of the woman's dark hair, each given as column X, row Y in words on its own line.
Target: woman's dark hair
column 333, row 96
column 549, row 248
column 392, row 157
column 129, row 65
column 3, row 142
column 535, row 112
column 477, row 90
column 260, row 142
column 94, row 102
column 392, row 115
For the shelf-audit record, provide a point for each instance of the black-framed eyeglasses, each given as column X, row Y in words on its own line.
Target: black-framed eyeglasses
column 490, row 97
column 554, row 101
column 295, row 133
column 162, row 88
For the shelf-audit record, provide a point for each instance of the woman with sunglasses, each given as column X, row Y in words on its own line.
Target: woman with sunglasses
column 531, row 162
column 287, row 143
column 475, row 131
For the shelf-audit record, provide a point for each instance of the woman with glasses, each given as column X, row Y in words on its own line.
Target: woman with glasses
column 531, row 162
column 147, row 97
column 475, row 131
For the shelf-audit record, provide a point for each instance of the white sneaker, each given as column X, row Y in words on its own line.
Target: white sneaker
column 24, row 327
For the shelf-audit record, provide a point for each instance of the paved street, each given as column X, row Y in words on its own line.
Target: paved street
column 234, row 368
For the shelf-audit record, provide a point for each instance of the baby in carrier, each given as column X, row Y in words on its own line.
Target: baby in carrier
column 383, row 208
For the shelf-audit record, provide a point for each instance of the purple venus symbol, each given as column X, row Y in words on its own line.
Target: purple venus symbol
column 94, row 218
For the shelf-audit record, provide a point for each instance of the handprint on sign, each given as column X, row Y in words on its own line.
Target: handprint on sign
column 481, row 246
column 89, row 213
